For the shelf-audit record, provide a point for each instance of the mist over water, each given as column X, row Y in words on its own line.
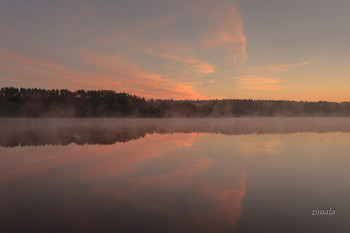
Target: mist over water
column 63, row 131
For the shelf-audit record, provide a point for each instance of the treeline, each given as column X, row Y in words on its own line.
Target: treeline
column 33, row 102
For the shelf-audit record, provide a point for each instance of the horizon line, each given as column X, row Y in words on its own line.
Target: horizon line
column 174, row 99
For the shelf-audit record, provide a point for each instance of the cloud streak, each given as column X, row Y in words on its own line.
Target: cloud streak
column 230, row 30
column 190, row 63
column 259, row 83
column 264, row 78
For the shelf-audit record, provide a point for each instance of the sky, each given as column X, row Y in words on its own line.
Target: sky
column 180, row 49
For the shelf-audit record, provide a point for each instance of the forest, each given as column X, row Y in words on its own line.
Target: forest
column 34, row 102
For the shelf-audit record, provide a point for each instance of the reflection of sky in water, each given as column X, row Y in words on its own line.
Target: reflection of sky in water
column 195, row 182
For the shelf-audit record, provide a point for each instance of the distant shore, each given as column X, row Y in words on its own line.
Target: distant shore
column 34, row 102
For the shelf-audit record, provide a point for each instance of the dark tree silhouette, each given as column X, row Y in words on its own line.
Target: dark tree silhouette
column 33, row 102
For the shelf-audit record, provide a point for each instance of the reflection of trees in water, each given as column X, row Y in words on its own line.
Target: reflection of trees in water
column 68, row 135
column 37, row 132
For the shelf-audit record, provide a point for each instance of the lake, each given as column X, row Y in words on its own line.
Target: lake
column 175, row 175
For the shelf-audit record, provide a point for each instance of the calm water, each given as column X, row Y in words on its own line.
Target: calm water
column 196, row 175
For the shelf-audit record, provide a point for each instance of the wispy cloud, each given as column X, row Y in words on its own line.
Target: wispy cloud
column 230, row 30
column 266, row 78
column 281, row 67
column 259, row 83
column 190, row 63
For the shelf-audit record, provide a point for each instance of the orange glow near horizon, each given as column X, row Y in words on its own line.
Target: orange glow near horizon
column 181, row 50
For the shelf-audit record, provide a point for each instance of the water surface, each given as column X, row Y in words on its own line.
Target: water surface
column 174, row 175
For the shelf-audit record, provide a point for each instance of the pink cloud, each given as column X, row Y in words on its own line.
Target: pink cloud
column 258, row 82
column 191, row 64
column 230, row 30
column 264, row 77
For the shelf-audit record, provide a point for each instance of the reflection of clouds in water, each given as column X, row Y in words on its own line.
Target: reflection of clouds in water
column 162, row 176
column 34, row 132
column 182, row 182
column 122, row 159
column 258, row 147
